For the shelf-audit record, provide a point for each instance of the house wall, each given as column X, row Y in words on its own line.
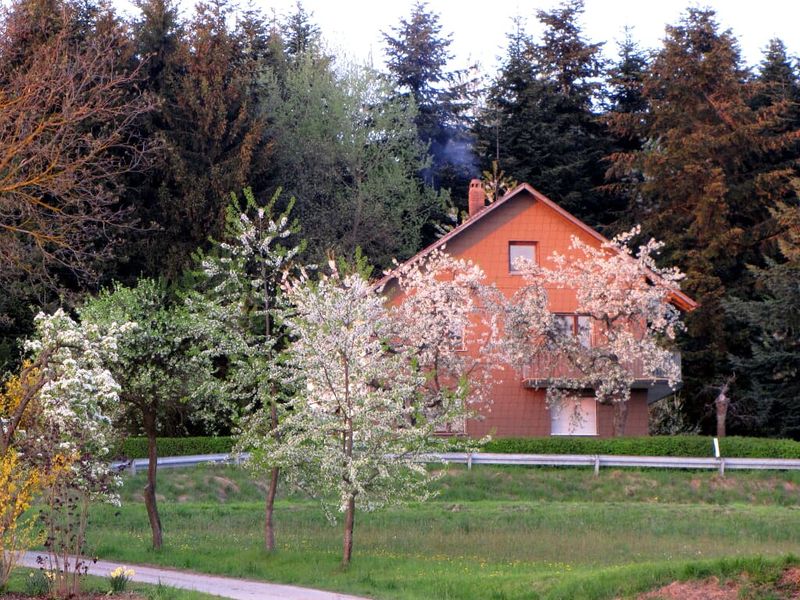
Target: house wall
column 517, row 411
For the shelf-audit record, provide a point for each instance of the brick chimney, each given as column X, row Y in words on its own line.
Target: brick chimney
column 477, row 197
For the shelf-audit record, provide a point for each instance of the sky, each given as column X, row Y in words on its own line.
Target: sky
column 478, row 27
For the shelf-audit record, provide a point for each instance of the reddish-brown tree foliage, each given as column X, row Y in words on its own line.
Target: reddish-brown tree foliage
column 68, row 114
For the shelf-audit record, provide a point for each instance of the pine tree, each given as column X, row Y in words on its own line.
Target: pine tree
column 539, row 120
column 418, row 55
column 707, row 181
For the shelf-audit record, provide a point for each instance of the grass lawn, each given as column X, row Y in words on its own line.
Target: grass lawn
column 499, row 533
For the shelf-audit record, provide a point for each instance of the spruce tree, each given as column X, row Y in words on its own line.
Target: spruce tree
column 417, row 58
column 539, row 121
column 210, row 81
column 772, row 366
column 708, row 180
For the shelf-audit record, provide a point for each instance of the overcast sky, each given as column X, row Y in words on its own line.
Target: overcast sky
column 478, row 27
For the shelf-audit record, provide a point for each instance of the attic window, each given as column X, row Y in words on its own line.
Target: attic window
column 517, row 250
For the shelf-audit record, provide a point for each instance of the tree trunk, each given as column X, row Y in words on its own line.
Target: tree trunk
column 721, row 404
column 150, row 488
column 269, row 527
column 349, row 521
column 620, row 418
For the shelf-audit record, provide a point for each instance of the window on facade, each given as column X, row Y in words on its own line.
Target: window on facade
column 520, row 250
column 579, row 326
column 574, row 417
column 457, row 338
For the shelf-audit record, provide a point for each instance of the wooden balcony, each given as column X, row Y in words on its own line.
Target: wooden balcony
column 543, row 373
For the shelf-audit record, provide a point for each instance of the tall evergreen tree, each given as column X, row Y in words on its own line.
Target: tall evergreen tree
column 708, row 181
column 210, row 85
column 772, row 367
column 624, row 105
column 539, row 119
column 417, row 58
column 302, row 36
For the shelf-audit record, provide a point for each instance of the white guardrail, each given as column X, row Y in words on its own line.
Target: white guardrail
column 595, row 461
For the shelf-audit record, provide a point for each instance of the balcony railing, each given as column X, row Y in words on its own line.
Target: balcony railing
column 544, row 371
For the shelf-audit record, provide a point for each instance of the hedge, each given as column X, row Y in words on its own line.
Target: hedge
column 699, row 446
column 688, row 445
column 136, row 447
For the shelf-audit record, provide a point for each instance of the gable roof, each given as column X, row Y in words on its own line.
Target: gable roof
column 678, row 298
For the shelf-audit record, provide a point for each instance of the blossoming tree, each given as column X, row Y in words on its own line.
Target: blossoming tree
column 242, row 310
column 372, row 393
column 158, row 371
column 60, row 424
column 445, row 300
column 625, row 299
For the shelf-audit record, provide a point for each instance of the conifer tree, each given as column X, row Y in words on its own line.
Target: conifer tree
column 539, row 121
column 418, row 54
column 772, row 367
column 708, row 180
column 212, row 124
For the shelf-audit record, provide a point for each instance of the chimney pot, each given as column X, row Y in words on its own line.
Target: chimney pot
column 477, row 197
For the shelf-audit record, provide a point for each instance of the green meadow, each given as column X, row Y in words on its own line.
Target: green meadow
column 502, row 533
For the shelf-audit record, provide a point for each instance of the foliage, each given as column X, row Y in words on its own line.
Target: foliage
column 136, row 447
column 359, row 154
column 19, row 484
column 704, row 181
column 68, row 134
column 210, row 83
column 772, row 317
column 538, row 122
column 626, row 299
column 673, row 445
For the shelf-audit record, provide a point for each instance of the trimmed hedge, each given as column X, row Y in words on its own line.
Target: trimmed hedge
column 695, row 446
column 136, row 447
column 687, row 445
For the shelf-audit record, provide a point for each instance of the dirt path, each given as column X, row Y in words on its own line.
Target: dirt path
column 227, row 587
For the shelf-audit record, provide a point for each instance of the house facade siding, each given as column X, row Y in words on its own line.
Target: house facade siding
column 516, row 410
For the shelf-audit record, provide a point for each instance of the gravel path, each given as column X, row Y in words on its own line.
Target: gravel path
column 227, row 587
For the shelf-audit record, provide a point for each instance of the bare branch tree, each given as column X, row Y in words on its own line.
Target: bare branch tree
column 68, row 132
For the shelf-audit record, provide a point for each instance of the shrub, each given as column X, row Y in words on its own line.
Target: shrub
column 136, row 447
column 685, row 445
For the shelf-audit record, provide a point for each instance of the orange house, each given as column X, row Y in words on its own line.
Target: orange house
column 526, row 223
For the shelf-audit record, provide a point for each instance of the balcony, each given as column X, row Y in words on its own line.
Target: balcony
column 542, row 372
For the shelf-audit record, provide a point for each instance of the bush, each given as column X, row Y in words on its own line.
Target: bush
column 136, row 447
column 683, row 445
column 678, row 445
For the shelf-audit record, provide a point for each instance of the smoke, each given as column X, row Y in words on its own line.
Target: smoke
column 457, row 152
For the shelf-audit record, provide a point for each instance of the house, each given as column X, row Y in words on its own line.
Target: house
column 525, row 223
